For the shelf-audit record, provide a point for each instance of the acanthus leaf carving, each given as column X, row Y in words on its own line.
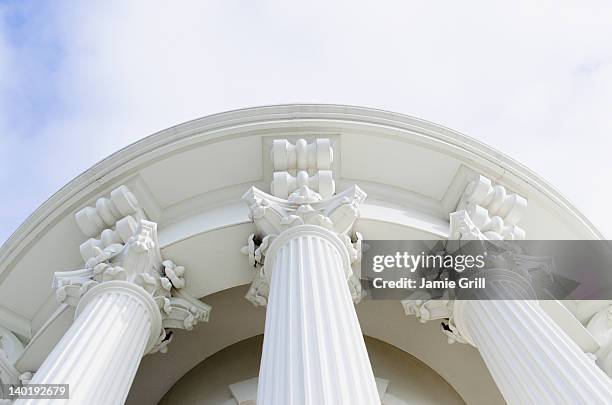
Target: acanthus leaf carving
column 302, row 194
column 130, row 252
column 484, row 212
column 259, row 289
column 273, row 215
column 493, row 210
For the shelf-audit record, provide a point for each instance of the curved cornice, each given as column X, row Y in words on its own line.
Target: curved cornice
column 178, row 137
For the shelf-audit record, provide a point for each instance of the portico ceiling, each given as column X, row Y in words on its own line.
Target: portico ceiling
column 190, row 179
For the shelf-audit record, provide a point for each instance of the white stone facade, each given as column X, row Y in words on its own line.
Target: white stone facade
column 126, row 279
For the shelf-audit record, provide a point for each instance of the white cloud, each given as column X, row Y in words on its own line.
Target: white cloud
column 533, row 79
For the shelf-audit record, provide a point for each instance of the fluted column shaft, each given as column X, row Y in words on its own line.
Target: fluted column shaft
column 314, row 352
column 100, row 353
column 530, row 358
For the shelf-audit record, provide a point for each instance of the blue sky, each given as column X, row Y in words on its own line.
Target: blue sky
column 80, row 80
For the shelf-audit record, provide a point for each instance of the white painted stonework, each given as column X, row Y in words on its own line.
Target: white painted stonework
column 104, row 286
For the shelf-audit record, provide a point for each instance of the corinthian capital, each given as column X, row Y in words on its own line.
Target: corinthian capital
column 303, row 193
column 485, row 211
column 129, row 251
column 272, row 216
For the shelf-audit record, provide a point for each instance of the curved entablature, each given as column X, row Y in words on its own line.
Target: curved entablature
column 178, row 197
column 278, row 121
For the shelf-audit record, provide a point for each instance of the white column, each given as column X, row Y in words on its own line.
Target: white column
column 530, row 358
column 313, row 353
column 100, row 353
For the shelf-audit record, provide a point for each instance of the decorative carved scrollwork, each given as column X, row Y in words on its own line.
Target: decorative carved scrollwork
column 130, row 252
column 493, row 210
column 484, row 212
column 301, row 199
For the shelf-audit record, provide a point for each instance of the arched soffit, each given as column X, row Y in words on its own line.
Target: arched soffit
column 276, row 120
column 235, row 319
column 189, row 179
